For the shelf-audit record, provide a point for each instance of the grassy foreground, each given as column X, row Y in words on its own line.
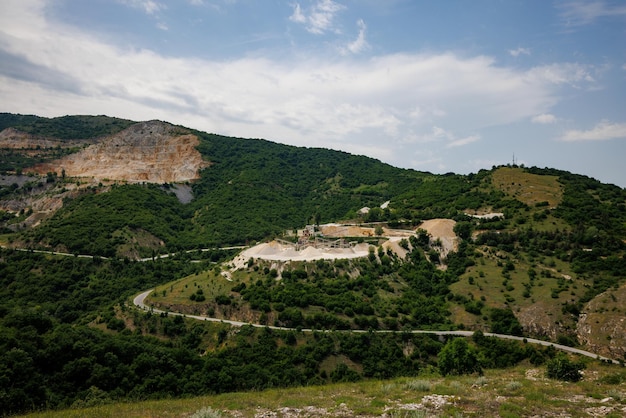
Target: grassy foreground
column 516, row 392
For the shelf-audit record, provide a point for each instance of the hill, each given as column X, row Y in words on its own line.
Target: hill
column 533, row 251
column 520, row 391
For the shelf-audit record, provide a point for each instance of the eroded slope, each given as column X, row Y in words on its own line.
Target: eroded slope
column 153, row 152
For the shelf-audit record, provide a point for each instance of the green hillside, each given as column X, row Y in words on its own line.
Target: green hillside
column 550, row 250
column 64, row 127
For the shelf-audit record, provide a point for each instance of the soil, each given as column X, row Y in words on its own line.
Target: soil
column 442, row 229
column 152, row 152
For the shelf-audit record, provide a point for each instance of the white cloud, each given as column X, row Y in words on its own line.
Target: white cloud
column 319, row 18
column 386, row 105
column 601, row 132
column 585, row 12
column 544, row 119
column 575, row 75
column 359, row 44
column 449, row 139
column 297, row 15
column 463, row 141
column 519, row 51
column 427, row 158
column 150, row 7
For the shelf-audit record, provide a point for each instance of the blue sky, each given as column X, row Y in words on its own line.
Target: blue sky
column 439, row 86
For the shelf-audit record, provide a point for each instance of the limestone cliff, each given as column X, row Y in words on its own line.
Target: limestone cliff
column 153, row 152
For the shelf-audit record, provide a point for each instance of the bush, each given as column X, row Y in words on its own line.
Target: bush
column 222, row 300
column 457, row 358
column 418, row 385
column 562, row 368
column 614, row 378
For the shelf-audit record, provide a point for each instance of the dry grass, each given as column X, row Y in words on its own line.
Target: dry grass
column 489, row 284
column 178, row 292
column 512, row 392
column 528, row 188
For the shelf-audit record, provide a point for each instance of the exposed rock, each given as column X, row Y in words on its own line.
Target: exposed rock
column 442, row 230
column 537, row 321
column 602, row 324
column 153, row 152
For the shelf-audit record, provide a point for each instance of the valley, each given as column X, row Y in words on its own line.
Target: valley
column 305, row 244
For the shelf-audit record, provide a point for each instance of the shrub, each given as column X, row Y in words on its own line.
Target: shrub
column 480, row 381
column 457, row 358
column 222, row 300
column 614, row 378
column 513, row 386
column 418, row 385
column 562, row 368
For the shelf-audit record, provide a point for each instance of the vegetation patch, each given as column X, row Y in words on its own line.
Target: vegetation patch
column 552, row 266
column 530, row 189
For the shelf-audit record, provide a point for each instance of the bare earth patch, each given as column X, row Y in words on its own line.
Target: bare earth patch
column 152, row 152
column 441, row 229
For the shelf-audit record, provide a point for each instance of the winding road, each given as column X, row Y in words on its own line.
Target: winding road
column 140, row 299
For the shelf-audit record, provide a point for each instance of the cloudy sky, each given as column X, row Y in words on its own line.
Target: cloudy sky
column 439, row 86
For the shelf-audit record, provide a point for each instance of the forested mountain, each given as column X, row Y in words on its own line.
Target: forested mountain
column 537, row 252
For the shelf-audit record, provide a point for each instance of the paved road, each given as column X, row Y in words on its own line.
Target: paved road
column 235, row 247
column 139, row 302
column 27, row 250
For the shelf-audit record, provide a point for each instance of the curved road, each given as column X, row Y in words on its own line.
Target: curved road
column 29, row 250
column 139, row 302
column 140, row 298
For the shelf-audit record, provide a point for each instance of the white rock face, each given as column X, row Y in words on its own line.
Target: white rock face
column 152, row 152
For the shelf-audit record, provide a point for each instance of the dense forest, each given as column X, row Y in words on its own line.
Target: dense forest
column 70, row 337
column 63, row 343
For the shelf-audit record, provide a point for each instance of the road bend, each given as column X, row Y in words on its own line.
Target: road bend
column 139, row 301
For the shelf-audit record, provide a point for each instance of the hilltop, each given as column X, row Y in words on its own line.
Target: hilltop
column 253, row 231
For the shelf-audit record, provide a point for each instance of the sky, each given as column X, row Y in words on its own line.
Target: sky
column 439, row 86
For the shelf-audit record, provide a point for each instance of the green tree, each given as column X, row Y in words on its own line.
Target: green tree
column 463, row 229
column 562, row 368
column 457, row 358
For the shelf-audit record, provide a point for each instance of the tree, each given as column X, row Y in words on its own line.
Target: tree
column 463, row 229
column 457, row 357
column 562, row 368
column 503, row 321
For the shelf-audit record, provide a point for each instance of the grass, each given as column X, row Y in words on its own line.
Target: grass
column 528, row 188
column 418, row 385
column 507, row 393
column 489, row 284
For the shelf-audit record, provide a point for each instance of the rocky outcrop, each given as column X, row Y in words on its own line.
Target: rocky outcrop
column 602, row 324
column 538, row 320
column 152, row 152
